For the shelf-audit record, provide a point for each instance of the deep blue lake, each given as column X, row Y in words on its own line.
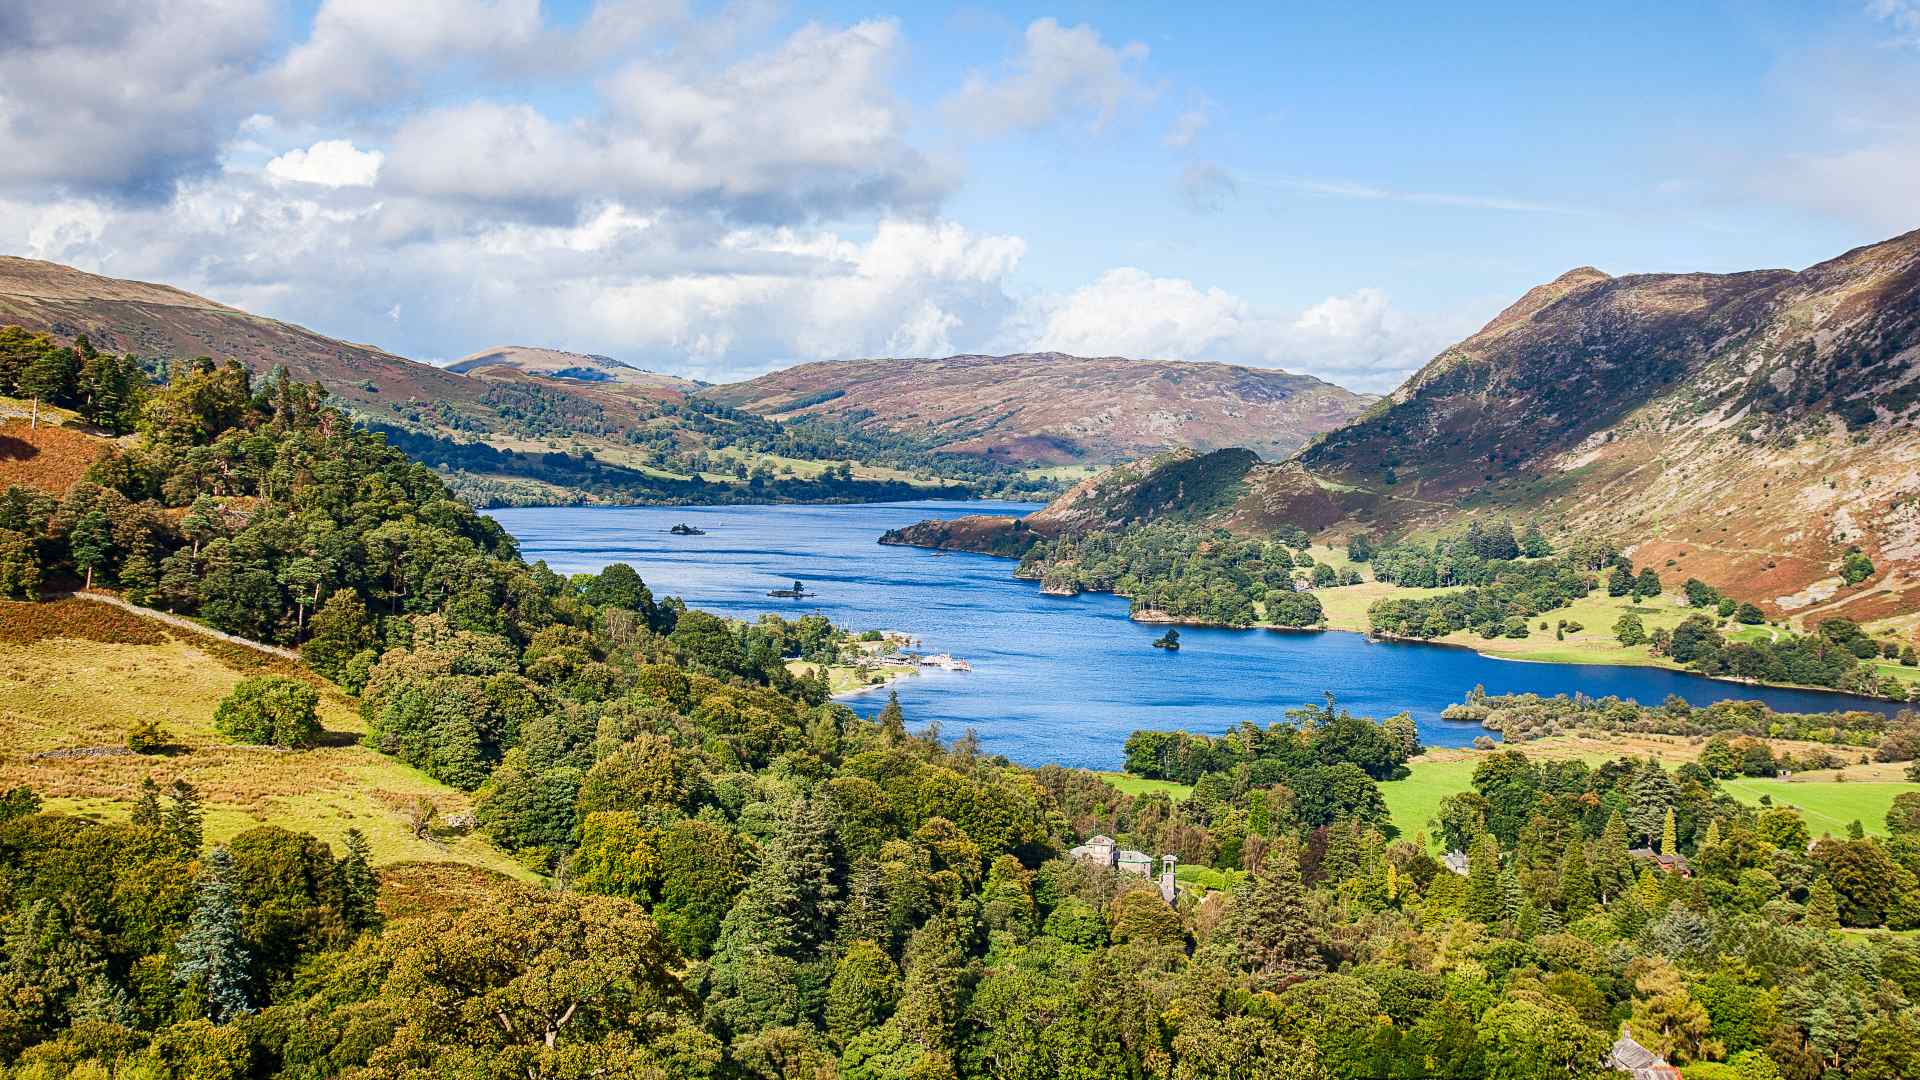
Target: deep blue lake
column 1054, row 679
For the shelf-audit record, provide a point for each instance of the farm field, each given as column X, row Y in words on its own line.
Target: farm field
column 1135, row 785
column 1829, row 805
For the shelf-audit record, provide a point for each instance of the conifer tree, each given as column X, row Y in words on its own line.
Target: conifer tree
column 893, row 721
column 1269, row 931
column 212, row 953
column 183, row 820
column 1486, row 899
column 1823, row 906
column 1669, row 835
column 359, row 889
column 1576, row 881
column 1612, row 866
column 146, row 809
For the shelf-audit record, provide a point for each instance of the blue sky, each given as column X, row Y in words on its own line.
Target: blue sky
column 723, row 189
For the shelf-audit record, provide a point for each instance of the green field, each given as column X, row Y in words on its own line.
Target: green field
column 1134, row 785
column 1827, row 806
column 1413, row 802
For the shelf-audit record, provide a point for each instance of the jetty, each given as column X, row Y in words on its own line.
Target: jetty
column 945, row 662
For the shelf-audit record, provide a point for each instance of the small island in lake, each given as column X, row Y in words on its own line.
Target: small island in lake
column 684, row 529
column 798, row 592
column 1169, row 641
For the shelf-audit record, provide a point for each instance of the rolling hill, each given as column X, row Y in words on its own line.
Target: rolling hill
column 1050, row 408
column 1746, row 429
column 515, row 424
column 583, row 370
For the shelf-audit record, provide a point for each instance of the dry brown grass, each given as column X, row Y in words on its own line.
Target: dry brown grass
column 48, row 458
column 74, row 675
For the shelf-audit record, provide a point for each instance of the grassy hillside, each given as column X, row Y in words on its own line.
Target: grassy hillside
column 75, row 674
column 1827, row 802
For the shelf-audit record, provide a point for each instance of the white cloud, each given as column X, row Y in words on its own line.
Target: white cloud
column 1060, row 70
column 329, row 163
column 1359, row 340
column 121, row 96
column 810, row 127
column 362, row 51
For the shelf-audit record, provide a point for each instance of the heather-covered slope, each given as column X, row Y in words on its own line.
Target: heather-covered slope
column 1748, row 427
column 1052, row 408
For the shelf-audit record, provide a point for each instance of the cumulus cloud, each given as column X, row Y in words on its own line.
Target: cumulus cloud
column 808, row 128
column 361, row 51
column 1359, row 340
column 329, row 163
column 665, row 289
column 121, row 97
column 1059, row 71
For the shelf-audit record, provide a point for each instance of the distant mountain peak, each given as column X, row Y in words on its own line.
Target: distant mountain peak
column 543, row 363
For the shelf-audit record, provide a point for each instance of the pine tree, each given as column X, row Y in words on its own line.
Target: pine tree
column 893, row 721
column 1712, row 835
column 1486, row 899
column 1269, row 932
column 1612, row 866
column 146, row 809
column 929, row 1008
column 1576, row 881
column 359, row 890
column 1823, row 906
column 1669, row 835
column 183, row 820
column 91, row 542
column 866, row 916
column 212, row 953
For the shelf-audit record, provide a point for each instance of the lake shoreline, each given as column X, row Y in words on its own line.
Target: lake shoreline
column 1154, row 617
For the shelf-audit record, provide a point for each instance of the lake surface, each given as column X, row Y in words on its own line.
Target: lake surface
column 1061, row 680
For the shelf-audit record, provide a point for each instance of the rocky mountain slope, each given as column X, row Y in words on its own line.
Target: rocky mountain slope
column 1051, row 408
column 1747, row 429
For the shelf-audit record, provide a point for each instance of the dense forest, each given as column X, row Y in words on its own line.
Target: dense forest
column 741, row 879
column 1190, row 573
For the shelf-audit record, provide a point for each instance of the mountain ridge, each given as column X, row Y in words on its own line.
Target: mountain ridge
column 1055, row 408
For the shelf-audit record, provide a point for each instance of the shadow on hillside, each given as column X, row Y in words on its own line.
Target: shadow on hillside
column 12, row 449
column 336, row 739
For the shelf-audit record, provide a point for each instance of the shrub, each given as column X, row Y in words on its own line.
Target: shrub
column 146, row 736
column 270, row 710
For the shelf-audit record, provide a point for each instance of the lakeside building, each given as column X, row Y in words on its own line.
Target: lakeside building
column 1637, row 1061
column 1102, row 851
column 1675, row 863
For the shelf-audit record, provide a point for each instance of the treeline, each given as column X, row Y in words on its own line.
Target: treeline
column 719, row 427
column 600, row 481
column 1518, row 593
column 1190, row 573
column 1838, row 654
column 105, row 389
column 1520, row 717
